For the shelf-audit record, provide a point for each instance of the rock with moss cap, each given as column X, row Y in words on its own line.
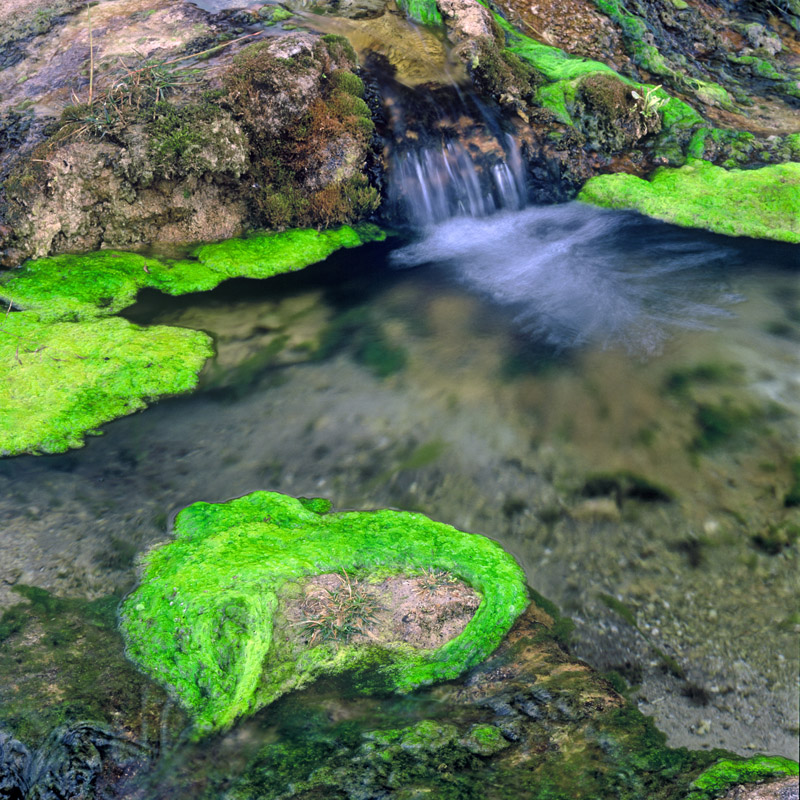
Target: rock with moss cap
column 762, row 203
column 209, row 619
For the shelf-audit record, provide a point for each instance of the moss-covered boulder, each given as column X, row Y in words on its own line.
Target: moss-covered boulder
column 72, row 287
column 208, row 619
column 762, row 203
column 60, row 381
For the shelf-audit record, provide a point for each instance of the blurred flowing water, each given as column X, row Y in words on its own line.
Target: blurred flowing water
column 486, row 373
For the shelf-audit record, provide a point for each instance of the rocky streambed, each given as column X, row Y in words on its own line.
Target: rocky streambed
column 613, row 400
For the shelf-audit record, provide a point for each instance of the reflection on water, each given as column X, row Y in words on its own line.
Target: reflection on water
column 492, row 387
column 562, row 272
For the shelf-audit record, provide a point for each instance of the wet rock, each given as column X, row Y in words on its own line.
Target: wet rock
column 82, row 760
column 14, row 761
column 171, row 149
column 465, row 20
column 787, row 789
column 237, row 644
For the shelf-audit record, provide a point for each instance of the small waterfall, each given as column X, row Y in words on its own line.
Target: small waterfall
column 430, row 186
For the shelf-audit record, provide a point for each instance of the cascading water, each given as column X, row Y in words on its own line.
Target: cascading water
column 556, row 269
column 434, row 185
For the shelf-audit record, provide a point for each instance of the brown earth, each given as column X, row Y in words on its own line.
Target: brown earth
column 425, row 611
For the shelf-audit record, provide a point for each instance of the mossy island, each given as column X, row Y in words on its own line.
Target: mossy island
column 68, row 366
column 222, row 617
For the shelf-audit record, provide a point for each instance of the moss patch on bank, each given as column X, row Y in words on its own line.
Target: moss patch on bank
column 716, row 780
column 60, row 381
column 75, row 287
column 762, row 203
column 203, row 620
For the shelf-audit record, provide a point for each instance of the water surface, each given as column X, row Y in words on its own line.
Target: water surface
column 492, row 375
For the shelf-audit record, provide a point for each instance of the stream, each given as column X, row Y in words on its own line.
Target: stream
column 614, row 400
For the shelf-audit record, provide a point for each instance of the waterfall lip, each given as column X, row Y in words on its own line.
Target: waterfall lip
column 431, row 185
column 571, row 275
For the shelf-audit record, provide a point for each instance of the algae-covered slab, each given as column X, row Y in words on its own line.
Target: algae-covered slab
column 762, row 203
column 205, row 620
column 60, row 380
column 73, row 287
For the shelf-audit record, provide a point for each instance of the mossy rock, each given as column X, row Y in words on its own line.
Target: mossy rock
column 716, row 780
column 60, row 381
column 74, row 287
column 423, row 11
column 762, row 203
column 205, row 619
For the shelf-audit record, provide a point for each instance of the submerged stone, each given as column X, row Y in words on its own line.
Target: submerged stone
column 210, row 621
column 762, row 203
column 99, row 284
column 60, row 381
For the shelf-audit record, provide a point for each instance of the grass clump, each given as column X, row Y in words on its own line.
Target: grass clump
column 202, row 621
column 338, row 613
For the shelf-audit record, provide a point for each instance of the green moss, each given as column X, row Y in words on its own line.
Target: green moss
column 759, row 67
column 680, row 381
column 485, row 740
column 73, row 287
column 62, row 380
column 192, row 139
column 69, row 663
column 718, row 423
column 552, row 62
column 424, row 11
column 726, row 773
column 762, row 203
column 348, row 82
column 202, row 620
column 280, row 164
column 340, row 48
column 274, row 14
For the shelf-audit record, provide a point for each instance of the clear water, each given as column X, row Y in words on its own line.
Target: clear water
column 483, row 375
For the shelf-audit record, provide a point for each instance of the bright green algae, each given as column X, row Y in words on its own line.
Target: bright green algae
column 72, row 287
column 424, row 11
column 201, row 621
column 716, row 780
column 762, row 203
column 62, row 380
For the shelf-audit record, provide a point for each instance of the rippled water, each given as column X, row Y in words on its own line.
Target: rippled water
column 485, row 375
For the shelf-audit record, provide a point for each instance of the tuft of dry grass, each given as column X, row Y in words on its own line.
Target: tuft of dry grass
column 337, row 614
